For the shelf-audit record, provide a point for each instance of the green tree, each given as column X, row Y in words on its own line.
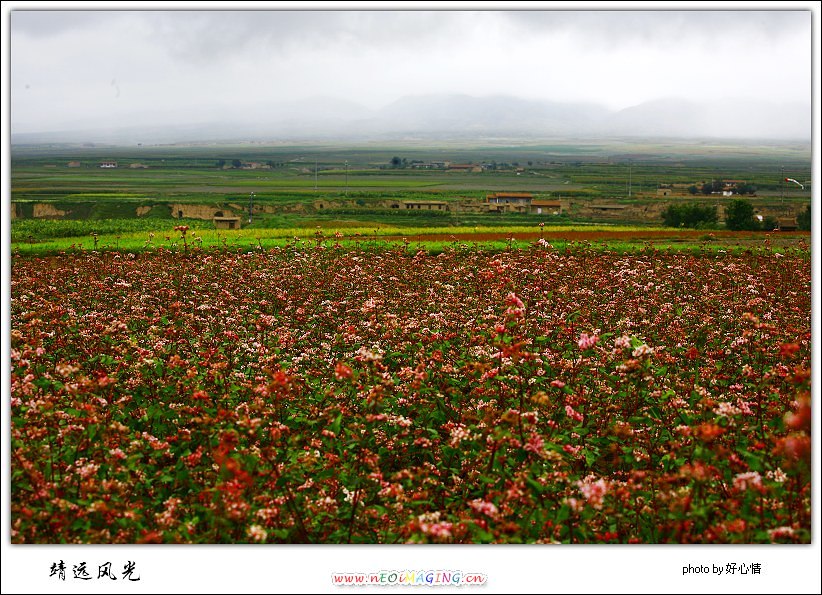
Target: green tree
column 769, row 223
column 221, row 163
column 739, row 215
column 236, row 163
column 690, row 215
column 803, row 219
column 713, row 186
column 746, row 188
column 693, row 189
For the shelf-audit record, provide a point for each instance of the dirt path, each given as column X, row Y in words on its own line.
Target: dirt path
column 746, row 237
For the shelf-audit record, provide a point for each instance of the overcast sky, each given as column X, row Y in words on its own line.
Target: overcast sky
column 70, row 69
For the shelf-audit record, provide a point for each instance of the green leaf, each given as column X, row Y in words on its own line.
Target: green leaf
column 590, row 456
column 482, row 535
column 537, row 487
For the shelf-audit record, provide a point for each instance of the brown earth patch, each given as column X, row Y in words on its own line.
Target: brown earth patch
column 746, row 237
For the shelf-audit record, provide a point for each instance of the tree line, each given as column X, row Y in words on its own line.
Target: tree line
column 739, row 216
column 716, row 186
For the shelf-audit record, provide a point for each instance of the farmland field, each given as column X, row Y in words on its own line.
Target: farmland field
column 186, row 173
column 53, row 237
column 309, row 392
column 341, row 371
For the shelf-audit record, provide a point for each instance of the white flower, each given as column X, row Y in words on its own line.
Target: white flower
column 257, row 533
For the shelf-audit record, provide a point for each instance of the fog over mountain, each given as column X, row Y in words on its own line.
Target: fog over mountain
column 271, row 74
column 448, row 116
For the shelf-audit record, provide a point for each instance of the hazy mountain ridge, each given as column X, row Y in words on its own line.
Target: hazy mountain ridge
column 459, row 116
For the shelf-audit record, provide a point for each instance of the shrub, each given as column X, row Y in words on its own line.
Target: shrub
column 739, row 216
column 803, row 220
column 689, row 215
column 769, row 223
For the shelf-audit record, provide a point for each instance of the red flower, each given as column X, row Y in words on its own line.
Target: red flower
column 342, row 372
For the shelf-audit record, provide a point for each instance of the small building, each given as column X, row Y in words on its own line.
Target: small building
column 509, row 198
column 465, row 167
column 418, row 164
column 599, row 210
column 610, row 208
column 663, row 191
column 729, row 187
column 425, row 205
column 507, row 208
column 226, row 222
column 108, row 164
column 509, row 202
column 547, row 207
column 73, row 164
column 787, row 224
column 256, row 165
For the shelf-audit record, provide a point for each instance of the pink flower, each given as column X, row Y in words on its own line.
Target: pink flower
column 744, row 407
column 751, row 479
column 513, row 300
column 780, row 533
column 535, row 444
column 440, row 530
column 480, row 506
column 515, row 306
column 572, row 413
column 593, row 491
column 623, row 342
column 458, row 434
column 572, row 450
column 587, row 341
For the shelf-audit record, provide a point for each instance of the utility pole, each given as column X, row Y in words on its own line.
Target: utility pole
column 315, row 176
column 346, row 178
column 782, row 184
column 250, row 206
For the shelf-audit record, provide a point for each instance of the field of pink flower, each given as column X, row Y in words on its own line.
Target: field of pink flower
column 322, row 395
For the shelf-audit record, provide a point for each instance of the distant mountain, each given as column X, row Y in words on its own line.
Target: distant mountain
column 719, row 119
column 496, row 114
column 454, row 116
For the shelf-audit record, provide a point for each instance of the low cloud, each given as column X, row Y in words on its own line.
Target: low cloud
column 70, row 67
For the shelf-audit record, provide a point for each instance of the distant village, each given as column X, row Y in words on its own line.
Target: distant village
column 227, row 215
column 516, row 202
